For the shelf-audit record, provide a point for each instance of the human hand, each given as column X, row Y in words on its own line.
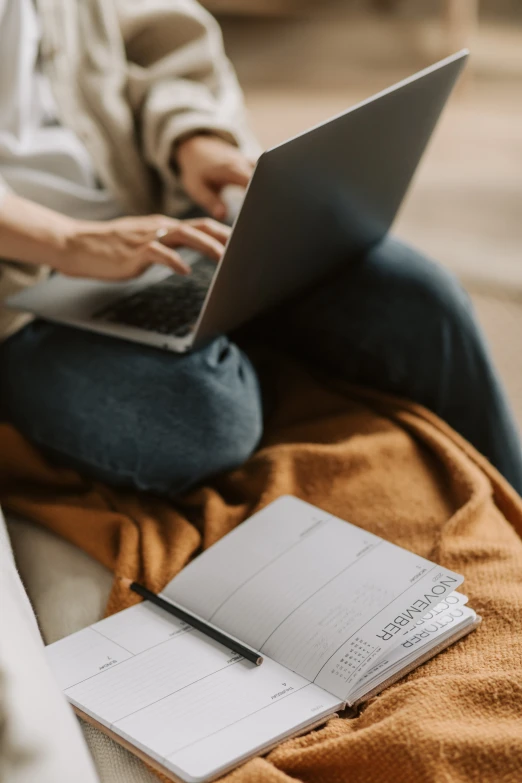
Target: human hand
column 124, row 248
column 207, row 164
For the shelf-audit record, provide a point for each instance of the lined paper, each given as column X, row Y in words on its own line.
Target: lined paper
column 311, row 591
column 179, row 696
column 83, row 655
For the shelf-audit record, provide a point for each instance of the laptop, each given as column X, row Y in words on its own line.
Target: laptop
column 314, row 203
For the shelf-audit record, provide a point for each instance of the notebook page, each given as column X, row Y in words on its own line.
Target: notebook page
column 179, row 696
column 413, row 645
column 311, row 591
column 446, row 613
column 449, row 612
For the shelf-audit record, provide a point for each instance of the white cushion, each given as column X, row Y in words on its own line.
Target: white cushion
column 39, row 737
column 69, row 590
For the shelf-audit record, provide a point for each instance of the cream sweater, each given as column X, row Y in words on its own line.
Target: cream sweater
column 129, row 77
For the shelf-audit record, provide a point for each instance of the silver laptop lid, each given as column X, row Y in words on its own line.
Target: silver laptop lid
column 323, row 197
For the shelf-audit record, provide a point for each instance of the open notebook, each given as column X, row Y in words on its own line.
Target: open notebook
column 337, row 612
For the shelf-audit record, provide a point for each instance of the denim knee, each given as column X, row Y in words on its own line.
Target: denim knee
column 128, row 415
column 425, row 296
column 207, row 422
column 436, row 287
column 223, row 411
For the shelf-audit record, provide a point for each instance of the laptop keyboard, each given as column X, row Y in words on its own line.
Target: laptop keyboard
column 170, row 307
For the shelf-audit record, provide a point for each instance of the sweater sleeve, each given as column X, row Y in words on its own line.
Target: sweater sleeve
column 179, row 78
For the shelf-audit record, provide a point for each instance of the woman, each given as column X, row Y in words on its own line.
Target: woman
column 114, row 116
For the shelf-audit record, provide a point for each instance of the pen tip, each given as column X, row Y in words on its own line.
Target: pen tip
column 125, row 582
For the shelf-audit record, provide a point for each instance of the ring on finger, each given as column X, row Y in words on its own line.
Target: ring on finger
column 161, row 233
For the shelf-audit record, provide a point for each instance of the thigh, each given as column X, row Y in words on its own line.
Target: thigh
column 397, row 322
column 130, row 414
column 378, row 320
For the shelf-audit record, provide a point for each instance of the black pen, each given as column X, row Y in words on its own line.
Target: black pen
column 196, row 622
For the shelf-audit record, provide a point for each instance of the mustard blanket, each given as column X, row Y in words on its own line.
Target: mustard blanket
column 392, row 468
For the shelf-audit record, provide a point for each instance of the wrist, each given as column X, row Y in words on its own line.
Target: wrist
column 183, row 144
column 189, row 141
column 33, row 234
column 64, row 244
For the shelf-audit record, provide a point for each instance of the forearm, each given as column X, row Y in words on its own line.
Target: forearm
column 180, row 81
column 32, row 233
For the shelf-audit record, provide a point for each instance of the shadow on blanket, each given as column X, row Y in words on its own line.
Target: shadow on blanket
column 390, row 467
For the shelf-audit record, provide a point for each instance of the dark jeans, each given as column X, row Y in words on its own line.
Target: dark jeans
column 140, row 417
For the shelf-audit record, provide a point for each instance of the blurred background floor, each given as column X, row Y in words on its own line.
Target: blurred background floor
column 313, row 60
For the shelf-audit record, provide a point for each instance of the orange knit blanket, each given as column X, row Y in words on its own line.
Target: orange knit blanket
column 392, row 468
